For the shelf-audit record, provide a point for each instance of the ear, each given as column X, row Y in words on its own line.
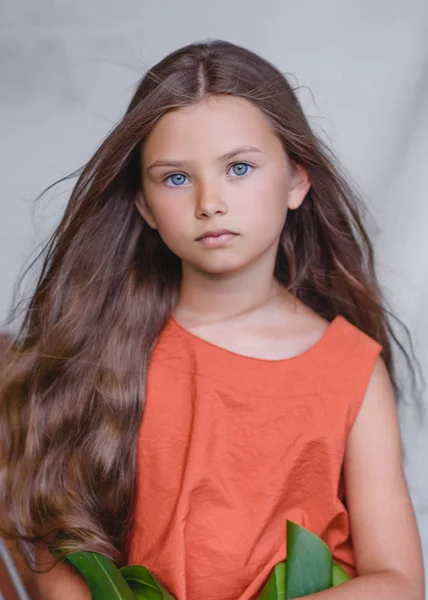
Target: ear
column 300, row 185
column 144, row 210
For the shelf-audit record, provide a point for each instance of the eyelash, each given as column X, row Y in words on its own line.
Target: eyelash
column 165, row 179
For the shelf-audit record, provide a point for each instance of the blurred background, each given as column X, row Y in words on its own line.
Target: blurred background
column 68, row 70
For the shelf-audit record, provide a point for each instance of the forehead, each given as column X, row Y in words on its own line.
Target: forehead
column 213, row 125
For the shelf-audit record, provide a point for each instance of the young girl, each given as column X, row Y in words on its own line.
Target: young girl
column 207, row 354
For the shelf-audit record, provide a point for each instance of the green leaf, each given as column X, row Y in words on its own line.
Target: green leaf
column 102, row 576
column 339, row 575
column 309, row 562
column 274, row 589
column 143, row 584
column 141, row 592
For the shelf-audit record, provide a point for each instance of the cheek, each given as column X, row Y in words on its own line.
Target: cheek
column 167, row 210
column 266, row 204
column 172, row 223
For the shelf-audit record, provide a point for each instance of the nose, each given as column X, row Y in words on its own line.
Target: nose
column 209, row 202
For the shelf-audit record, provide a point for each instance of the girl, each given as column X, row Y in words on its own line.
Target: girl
column 207, row 354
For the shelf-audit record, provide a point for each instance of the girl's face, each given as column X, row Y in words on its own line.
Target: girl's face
column 218, row 165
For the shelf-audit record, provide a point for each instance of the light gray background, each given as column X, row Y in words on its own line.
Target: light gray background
column 68, row 70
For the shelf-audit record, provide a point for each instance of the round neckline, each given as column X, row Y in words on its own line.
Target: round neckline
column 309, row 352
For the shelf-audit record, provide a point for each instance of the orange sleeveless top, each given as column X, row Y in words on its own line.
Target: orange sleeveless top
column 230, row 446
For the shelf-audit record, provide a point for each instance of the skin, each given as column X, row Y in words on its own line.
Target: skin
column 60, row 582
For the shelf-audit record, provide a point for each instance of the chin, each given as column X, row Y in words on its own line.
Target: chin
column 219, row 267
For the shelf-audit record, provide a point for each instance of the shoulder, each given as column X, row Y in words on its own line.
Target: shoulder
column 347, row 342
column 345, row 359
column 302, row 325
column 353, row 343
column 312, row 326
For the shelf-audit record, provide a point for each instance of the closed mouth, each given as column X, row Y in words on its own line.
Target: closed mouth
column 216, row 233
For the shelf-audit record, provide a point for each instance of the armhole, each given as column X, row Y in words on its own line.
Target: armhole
column 366, row 352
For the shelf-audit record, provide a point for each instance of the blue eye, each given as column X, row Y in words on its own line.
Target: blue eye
column 241, row 168
column 177, row 179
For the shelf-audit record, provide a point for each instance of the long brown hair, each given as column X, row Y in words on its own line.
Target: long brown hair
column 72, row 393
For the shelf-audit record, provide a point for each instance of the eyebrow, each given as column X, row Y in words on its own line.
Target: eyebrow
column 227, row 156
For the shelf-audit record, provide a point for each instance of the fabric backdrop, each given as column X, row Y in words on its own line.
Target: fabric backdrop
column 67, row 71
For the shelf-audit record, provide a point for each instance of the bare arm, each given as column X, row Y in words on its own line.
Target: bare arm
column 61, row 582
column 385, row 536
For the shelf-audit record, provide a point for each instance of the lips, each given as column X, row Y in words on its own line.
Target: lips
column 215, row 233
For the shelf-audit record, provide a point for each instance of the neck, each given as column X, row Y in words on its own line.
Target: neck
column 206, row 297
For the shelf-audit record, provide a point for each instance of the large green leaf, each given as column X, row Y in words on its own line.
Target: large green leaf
column 339, row 575
column 274, row 588
column 143, row 584
column 102, row 576
column 309, row 563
